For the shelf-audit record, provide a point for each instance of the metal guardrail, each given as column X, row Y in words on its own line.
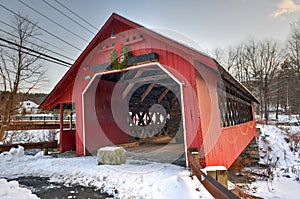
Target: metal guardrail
column 37, row 125
column 41, row 118
column 211, row 185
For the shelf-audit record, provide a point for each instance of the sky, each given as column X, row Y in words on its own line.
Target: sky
column 205, row 25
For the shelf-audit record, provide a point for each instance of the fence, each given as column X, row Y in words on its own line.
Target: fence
column 41, row 118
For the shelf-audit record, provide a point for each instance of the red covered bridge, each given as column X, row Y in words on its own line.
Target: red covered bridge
column 131, row 83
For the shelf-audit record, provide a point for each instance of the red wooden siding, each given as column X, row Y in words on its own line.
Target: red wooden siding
column 67, row 140
column 100, row 126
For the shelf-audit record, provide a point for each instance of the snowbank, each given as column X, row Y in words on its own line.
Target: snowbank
column 283, row 164
column 280, row 187
column 25, row 136
column 11, row 190
column 273, row 146
column 12, row 154
column 135, row 179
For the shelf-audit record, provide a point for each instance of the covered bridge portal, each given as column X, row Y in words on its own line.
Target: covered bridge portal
column 131, row 84
column 136, row 104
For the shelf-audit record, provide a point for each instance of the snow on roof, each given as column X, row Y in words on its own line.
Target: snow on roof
column 29, row 103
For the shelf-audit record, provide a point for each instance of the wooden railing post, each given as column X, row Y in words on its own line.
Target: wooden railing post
column 212, row 186
column 61, row 111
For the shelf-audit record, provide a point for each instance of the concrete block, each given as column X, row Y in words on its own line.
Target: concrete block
column 111, row 155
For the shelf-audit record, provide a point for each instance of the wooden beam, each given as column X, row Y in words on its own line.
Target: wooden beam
column 36, row 145
column 161, row 97
column 146, row 79
column 211, row 185
column 130, row 85
column 147, row 91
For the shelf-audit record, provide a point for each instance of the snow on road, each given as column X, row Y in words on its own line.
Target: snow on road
column 135, row 179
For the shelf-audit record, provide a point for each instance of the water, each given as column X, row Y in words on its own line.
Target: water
column 51, row 190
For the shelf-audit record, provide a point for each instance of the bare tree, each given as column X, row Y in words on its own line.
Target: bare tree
column 218, row 54
column 237, row 61
column 20, row 71
column 263, row 60
column 293, row 56
column 232, row 60
column 271, row 59
column 285, row 83
column 294, row 47
column 256, row 64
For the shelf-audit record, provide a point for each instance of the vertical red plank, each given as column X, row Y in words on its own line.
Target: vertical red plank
column 61, row 126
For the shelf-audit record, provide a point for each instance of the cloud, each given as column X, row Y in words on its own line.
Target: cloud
column 286, row 7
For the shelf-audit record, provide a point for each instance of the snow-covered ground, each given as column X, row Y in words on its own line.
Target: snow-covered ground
column 135, row 179
column 25, row 136
column 282, row 119
column 279, row 151
column 11, row 190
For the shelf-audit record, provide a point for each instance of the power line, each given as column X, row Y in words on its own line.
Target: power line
column 28, row 6
column 76, row 15
column 14, row 28
column 38, row 46
column 68, row 17
column 39, row 53
column 59, row 63
column 39, row 27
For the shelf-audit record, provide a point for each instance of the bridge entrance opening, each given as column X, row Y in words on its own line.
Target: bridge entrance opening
column 155, row 123
column 140, row 108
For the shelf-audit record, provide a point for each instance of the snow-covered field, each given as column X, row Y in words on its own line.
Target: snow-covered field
column 279, row 151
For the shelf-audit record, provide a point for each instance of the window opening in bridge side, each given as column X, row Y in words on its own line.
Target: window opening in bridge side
column 235, row 108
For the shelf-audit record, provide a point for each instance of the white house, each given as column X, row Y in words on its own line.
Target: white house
column 29, row 107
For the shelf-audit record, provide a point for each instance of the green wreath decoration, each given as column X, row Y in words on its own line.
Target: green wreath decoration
column 114, row 58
